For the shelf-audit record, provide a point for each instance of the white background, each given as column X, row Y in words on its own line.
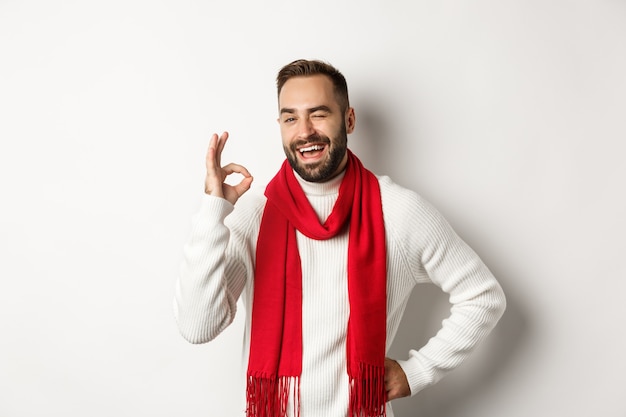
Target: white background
column 509, row 116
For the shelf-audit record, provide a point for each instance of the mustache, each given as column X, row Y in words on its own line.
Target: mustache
column 315, row 138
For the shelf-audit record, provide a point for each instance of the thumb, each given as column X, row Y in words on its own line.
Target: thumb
column 244, row 185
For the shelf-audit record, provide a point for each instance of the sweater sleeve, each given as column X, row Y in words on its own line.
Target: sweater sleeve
column 435, row 253
column 212, row 274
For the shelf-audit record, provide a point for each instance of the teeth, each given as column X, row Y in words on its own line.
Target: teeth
column 311, row 148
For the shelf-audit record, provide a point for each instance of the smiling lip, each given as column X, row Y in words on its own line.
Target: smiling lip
column 311, row 148
column 311, row 152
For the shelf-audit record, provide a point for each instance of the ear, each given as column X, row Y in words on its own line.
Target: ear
column 350, row 120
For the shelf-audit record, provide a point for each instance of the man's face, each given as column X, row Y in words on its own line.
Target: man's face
column 313, row 127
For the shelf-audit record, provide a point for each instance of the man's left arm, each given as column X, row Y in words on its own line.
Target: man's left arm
column 435, row 253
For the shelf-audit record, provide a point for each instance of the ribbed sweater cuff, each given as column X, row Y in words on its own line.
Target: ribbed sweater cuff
column 217, row 206
column 417, row 376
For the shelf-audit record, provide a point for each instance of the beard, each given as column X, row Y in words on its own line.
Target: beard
column 323, row 170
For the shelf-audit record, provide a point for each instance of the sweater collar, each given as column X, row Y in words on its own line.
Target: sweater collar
column 321, row 188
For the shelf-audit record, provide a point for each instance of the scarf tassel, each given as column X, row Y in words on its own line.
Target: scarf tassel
column 367, row 392
column 269, row 396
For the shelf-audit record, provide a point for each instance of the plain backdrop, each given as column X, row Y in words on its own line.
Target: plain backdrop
column 508, row 116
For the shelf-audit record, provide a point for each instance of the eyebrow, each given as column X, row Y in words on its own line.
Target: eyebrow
column 311, row 110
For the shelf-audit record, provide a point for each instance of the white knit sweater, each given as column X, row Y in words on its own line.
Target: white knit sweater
column 218, row 268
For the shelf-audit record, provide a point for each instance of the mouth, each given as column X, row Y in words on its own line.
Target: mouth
column 312, row 152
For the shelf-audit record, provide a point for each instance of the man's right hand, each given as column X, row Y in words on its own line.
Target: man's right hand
column 216, row 174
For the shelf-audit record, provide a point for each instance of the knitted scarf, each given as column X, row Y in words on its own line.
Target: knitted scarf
column 275, row 361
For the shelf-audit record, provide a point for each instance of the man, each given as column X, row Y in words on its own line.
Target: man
column 325, row 262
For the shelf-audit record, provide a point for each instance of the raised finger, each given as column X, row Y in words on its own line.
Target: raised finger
column 212, row 162
column 220, row 146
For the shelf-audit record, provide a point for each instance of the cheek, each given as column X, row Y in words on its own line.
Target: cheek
column 324, row 128
column 285, row 136
column 333, row 130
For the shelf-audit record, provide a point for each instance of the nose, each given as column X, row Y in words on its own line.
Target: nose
column 305, row 128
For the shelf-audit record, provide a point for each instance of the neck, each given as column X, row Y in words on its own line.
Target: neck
column 321, row 188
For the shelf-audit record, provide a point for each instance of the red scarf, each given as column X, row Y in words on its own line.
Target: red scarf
column 275, row 362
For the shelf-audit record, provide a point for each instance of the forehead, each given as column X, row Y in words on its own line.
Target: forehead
column 307, row 92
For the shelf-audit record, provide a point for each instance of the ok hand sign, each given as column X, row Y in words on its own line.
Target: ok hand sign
column 216, row 174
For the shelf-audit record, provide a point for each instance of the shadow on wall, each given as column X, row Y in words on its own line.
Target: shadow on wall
column 375, row 143
column 473, row 380
column 369, row 140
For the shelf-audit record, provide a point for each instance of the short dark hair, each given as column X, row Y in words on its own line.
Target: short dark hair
column 304, row 68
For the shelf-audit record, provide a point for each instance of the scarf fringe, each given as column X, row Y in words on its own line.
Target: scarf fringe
column 269, row 396
column 367, row 392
